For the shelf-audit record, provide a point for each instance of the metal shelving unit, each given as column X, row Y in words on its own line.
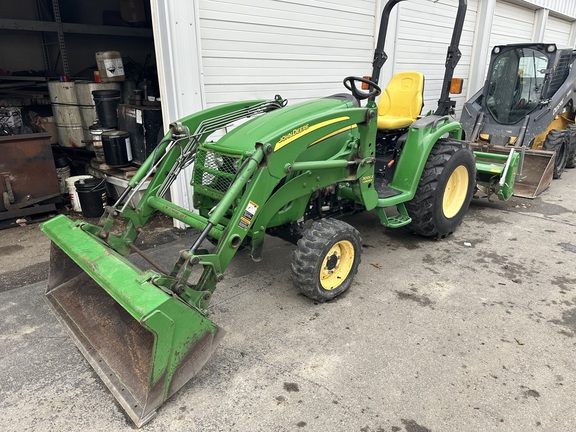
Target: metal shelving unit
column 54, row 24
column 51, row 26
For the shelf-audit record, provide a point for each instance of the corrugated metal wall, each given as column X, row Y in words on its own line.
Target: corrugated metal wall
column 564, row 7
column 558, row 31
column 512, row 24
column 299, row 49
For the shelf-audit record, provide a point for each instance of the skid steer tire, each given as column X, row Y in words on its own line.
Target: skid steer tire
column 557, row 141
column 571, row 157
column 326, row 259
column 444, row 191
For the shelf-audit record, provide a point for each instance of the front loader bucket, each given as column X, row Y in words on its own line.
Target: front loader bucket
column 537, row 173
column 143, row 342
column 537, row 169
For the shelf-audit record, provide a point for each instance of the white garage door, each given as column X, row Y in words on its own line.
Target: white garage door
column 423, row 34
column 557, row 31
column 300, row 49
column 512, row 24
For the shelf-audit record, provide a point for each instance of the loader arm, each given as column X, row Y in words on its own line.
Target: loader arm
column 176, row 151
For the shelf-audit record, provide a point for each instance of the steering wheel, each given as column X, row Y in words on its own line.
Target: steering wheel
column 350, row 84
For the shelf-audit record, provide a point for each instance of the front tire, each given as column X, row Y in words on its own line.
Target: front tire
column 571, row 157
column 444, row 191
column 557, row 141
column 326, row 260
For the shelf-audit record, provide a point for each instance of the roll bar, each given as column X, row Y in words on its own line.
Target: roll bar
column 445, row 104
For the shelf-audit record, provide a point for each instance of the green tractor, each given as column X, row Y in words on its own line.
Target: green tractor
column 287, row 171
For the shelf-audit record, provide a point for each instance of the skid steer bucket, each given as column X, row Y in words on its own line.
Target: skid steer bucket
column 536, row 168
column 143, row 342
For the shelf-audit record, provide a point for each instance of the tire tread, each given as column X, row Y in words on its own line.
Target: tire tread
column 309, row 255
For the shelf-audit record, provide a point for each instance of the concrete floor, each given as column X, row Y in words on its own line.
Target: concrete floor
column 472, row 333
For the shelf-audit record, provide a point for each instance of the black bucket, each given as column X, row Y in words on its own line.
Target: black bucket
column 92, row 195
column 117, row 148
column 107, row 102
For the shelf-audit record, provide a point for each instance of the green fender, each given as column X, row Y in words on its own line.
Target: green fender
column 422, row 136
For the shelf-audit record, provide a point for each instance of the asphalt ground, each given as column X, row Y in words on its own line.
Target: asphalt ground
column 475, row 332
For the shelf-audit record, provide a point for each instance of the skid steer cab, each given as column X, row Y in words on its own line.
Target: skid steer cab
column 286, row 171
column 525, row 115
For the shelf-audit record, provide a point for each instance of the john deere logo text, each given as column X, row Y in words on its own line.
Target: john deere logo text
column 305, row 130
column 293, row 133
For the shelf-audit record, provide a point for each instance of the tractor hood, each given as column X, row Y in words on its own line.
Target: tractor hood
column 285, row 120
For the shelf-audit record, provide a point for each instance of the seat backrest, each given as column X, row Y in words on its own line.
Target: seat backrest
column 402, row 100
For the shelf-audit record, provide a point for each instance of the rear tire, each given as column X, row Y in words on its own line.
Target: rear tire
column 326, row 259
column 557, row 141
column 571, row 158
column 444, row 191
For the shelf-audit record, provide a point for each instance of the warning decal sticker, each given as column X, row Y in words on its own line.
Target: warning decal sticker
column 249, row 213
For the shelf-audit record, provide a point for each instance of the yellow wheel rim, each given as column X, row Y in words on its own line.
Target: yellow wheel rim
column 455, row 192
column 337, row 265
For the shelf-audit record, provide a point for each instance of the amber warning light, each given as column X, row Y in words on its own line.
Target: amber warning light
column 456, row 85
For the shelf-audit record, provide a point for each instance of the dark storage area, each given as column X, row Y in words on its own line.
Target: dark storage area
column 70, row 72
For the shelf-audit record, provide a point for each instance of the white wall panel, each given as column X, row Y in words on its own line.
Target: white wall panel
column 424, row 32
column 564, row 7
column 296, row 48
column 512, row 24
column 558, row 31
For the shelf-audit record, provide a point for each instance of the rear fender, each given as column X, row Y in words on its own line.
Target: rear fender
column 422, row 136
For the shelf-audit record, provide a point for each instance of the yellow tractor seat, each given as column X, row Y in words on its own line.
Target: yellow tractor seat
column 401, row 101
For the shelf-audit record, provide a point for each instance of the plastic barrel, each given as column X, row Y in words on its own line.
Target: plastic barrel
column 85, row 99
column 72, row 191
column 117, row 148
column 107, row 102
column 92, row 194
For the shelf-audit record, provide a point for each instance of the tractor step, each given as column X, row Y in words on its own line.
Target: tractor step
column 397, row 220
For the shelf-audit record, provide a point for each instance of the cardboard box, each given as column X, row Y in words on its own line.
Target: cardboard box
column 49, row 125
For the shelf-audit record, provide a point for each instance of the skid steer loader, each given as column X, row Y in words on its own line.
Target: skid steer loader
column 147, row 332
column 525, row 113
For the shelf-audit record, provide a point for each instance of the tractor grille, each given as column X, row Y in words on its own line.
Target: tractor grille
column 213, row 172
